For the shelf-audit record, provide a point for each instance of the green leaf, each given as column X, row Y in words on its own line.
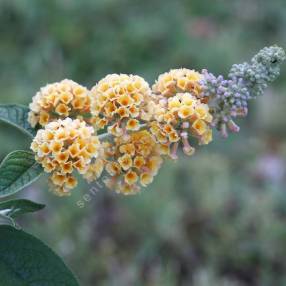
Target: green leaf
column 17, row 115
column 26, row 261
column 7, row 220
column 15, row 208
column 18, row 170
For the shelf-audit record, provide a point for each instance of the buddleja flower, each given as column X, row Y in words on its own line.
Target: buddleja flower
column 63, row 147
column 177, row 81
column 180, row 118
column 132, row 161
column 181, row 108
column 120, row 101
column 94, row 170
column 228, row 98
column 58, row 101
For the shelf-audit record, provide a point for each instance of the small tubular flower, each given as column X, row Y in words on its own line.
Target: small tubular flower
column 132, row 161
column 94, row 170
column 177, row 81
column 179, row 118
column 66, row 146
column 58, row 101
column 120, row 101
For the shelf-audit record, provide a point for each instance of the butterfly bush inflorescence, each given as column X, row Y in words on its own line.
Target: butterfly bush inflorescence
column 144, row 125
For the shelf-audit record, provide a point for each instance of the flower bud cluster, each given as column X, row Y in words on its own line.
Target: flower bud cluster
column 229, row 97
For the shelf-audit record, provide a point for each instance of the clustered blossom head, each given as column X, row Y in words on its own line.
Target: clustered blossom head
column 131, row 162
column 120, row 101
column 177, row 81
column 65, row 146
column 58, row 101
column 179, row 118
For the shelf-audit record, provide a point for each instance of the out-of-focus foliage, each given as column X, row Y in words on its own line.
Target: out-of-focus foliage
column 217, row 218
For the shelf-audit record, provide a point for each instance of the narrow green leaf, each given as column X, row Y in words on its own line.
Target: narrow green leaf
column 18, row 170
column 15, row 208
column 26, row 261
column 17, row 115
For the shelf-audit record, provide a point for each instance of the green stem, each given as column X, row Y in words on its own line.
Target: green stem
column 104, row 136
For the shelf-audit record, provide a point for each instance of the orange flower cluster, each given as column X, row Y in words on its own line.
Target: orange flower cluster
column 120, row 101
column 179, row 118
column 132, row 161
column 65, row 146
column 177, row 81
column 58, row 101
column 70, row 115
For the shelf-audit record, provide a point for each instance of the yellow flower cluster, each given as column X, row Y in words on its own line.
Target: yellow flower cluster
column 120, row 101
column 65, row 146
column 177, row 81
column 180, row 117
column 70, row 114
column 58, row 101
column 132, row 161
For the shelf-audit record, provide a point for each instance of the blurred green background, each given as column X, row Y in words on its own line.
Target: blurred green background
column 218, row 218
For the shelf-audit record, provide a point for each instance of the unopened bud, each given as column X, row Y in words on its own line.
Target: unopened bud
column 185, row 125
column 174, row 150
column 187, row 148
column 232, row 126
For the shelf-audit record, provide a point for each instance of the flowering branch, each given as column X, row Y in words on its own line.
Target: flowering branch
column 144, row 124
